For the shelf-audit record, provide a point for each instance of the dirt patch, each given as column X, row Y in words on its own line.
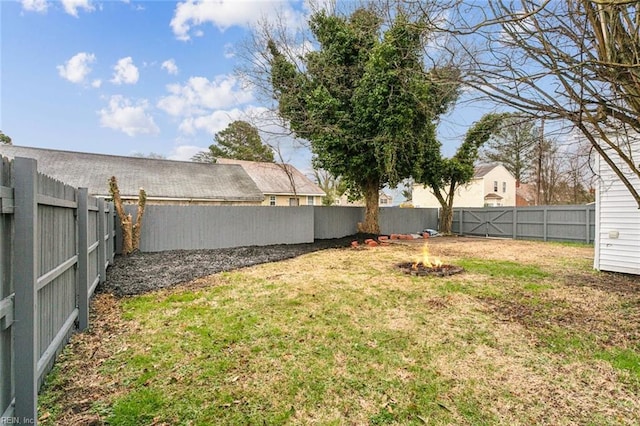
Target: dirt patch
column 83, row 356
column 595, row 314
column 141, row 273
column 610, row 282
column 501, row 249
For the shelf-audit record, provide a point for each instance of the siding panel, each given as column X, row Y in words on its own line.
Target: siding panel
column 618, row 220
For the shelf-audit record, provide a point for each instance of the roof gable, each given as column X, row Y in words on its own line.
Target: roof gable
column 159, row 178
column 484, row 169
column 272, row 178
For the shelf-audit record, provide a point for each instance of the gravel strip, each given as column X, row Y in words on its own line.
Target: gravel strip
column 140, row 273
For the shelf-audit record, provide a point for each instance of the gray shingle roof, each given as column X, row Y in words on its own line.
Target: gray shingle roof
column 482, row 170
column 159, row 178
column 272, row 179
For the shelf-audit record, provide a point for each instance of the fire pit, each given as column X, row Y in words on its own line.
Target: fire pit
column 428, row 266
column 421, row 270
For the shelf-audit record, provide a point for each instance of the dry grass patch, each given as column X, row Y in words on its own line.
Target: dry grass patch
column 527, row 335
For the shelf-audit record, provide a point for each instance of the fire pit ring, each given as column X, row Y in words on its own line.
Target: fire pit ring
column 420, row 270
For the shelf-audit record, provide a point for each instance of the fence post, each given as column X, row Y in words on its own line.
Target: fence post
column 25, row 276
column 111, row 229
column 102, row 249
column 83, row 259
column 515, row 223
column 545, row 214
column 461, row 221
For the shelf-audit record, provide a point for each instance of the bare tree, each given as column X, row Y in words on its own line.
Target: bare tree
column 571, row 60
column 512, row 147
column 333, row 186
column 130, row 230
column 549, row 171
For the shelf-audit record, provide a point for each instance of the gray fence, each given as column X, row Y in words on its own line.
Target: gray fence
column 209, row 227
column 55, row 245
column 546, row 223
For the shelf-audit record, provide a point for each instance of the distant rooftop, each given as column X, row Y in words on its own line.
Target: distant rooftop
column 160, row 178
column 483, row 169
column 272, row 178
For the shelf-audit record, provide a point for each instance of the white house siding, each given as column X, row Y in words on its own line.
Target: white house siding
column 473, row 194
column 505, row 179
column 469, row 195
column 617, row 245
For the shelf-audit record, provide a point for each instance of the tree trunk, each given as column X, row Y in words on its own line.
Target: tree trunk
column 130, row 232
column 127, row 234
column 446, row 204
column 446, row 220
column 137, row 227
column 372, row 209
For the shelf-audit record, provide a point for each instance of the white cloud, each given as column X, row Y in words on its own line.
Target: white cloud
column 72, row 6
column 218, row 120
column 185, row 152
column 229, row 51
column 211, row 123
column 39, row 6
column 125, row 116
column 77, row 68
column 125, row 72
column 199, row 96
column 170, row 66
column 227, row 13
column 96, row 83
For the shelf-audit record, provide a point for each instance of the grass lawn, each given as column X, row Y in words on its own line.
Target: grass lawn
column 528, row 334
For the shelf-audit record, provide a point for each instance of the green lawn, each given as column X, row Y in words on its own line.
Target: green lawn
column 528, row 334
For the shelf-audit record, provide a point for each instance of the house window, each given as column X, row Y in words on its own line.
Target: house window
column 504, row 186
column 310, row 201
column 384, row 201
column 293, row 202
column 272, row 200
column 495, row 186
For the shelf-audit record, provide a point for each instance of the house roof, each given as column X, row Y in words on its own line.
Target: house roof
column 164, row 179
column 527, row 192
column 493, row 196
column 482, row 170
column 271, row 178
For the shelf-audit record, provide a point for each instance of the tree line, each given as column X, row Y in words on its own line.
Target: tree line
column 558, row 170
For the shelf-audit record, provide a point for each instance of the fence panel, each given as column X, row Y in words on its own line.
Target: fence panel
column 336, row 222
column 395, row 220
column 172, row 227
column 169, row 227
column 46, row 242
column 94, row 234
column 547, row 223
column 56, row 236
column 6, row 291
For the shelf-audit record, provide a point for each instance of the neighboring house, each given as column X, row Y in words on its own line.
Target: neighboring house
column 281, row 184
column 525, row 194
column 491, row 186
column 384, row 200
column 164, row 181
column 617, row 239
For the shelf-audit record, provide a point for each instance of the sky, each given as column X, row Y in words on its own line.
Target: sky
column 125, row 77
